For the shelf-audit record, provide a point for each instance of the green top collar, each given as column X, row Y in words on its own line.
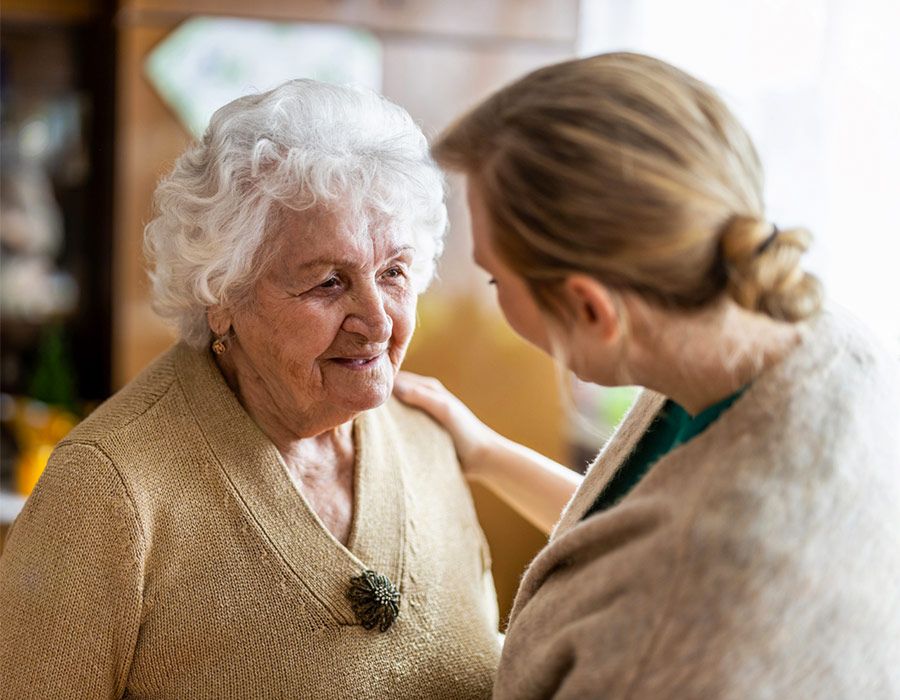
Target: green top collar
column 672, row 426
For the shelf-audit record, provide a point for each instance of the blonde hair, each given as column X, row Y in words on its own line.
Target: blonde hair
column 628, row 169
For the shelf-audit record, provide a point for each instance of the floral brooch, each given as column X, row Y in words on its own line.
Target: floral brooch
column 374, row 600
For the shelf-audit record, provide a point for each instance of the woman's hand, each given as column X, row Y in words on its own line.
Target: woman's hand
column 471, row 437
column 537, row 487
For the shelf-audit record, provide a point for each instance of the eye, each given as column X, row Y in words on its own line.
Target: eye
column 394, row 273
column 330, row 283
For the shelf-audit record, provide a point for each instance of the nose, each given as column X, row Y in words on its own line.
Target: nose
column 368, row 316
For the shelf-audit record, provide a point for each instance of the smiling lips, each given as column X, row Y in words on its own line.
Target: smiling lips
column 356, row 363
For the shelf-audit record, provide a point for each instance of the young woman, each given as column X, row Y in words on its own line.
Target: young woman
column 739, row 535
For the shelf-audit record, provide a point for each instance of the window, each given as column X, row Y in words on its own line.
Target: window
column 817, row 84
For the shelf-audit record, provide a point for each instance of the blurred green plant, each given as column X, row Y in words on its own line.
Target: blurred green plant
column 53, row 379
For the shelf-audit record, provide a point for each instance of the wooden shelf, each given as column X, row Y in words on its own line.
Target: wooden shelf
column 523, row 20
column 51, row 11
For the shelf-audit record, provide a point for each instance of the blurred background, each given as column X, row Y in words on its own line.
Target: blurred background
column 98, row 98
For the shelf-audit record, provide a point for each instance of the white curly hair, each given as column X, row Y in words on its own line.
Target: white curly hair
column 301, row 145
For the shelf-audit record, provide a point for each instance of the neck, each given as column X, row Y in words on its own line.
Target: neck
column 698, row 359
column 307, row 441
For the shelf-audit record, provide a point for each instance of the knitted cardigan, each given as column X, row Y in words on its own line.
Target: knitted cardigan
column 759, row 560
column 166, row 553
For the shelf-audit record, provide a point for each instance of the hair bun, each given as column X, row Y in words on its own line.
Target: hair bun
column 764, row 272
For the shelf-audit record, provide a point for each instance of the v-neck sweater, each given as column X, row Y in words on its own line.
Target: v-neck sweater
column 167, row 553
column 759, row 560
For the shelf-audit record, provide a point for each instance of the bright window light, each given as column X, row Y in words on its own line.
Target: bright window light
column 817, row 83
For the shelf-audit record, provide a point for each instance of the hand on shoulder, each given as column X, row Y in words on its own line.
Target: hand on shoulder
column 470, row 436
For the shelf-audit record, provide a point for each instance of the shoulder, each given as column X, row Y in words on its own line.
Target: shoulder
column 840, row 348
column 415, row 426
column 82, row 488
column 837, row 398
column 135, row 435
column 410, row 415
column 129, row 404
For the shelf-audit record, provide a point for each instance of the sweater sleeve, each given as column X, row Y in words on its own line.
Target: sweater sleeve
column 71, row 583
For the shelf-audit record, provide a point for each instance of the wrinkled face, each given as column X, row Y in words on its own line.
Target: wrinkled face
column 514, row 297
column 329, row 323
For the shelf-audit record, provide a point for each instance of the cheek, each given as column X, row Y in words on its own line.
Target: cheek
column 403, row 317
column 301, row 331
column 317, row 332
column 524, row 317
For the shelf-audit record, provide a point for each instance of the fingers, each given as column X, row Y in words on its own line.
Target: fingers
column 429, row 395
column 418, row 392
column 425, row 393
column 410, row 379
column 408, row 385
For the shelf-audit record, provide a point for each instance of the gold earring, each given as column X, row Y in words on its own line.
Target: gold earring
column 218, row 346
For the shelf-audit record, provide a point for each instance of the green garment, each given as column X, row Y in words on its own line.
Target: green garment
column 673, row 426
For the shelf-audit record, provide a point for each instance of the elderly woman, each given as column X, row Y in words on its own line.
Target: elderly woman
column 253, row 516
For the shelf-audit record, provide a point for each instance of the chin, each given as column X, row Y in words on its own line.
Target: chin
column 605, row 378
column 366, row 399
column 357, row 391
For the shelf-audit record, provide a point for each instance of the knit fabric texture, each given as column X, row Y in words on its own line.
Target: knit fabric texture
column 759, row 560
column 166, row 553
column 671, row 427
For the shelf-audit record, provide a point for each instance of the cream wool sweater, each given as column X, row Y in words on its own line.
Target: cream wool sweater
column 760, row 560
column 166, row 553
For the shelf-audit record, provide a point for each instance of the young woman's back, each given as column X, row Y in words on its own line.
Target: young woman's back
column 759, row 560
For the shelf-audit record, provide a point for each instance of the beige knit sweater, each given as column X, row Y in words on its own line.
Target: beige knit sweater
column 759, row 560
column 165, row 553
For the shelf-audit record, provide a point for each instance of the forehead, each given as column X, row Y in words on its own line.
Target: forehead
column 319, row 235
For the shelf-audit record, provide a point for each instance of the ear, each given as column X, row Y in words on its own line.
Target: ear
column 219, row 320
column 594, row 305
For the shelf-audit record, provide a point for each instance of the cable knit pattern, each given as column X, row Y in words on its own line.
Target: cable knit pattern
column 166, row 553
column 760, row 560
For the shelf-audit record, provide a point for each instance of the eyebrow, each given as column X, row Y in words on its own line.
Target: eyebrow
column 326, row 261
